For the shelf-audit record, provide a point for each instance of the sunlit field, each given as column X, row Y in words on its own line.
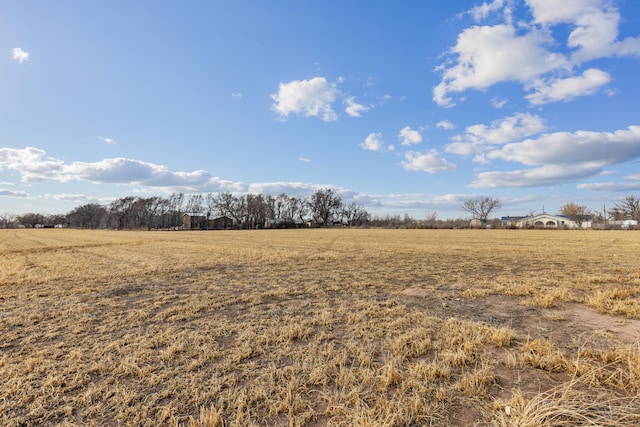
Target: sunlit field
column 321, row 327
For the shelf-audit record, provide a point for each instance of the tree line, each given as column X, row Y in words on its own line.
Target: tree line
column 323, row 208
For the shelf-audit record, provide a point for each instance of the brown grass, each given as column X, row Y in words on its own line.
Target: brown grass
column 318, row 327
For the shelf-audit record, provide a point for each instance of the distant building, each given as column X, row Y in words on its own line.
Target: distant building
column 544, row 221
column 194, row 221
column 220, row 223
column 200, row 221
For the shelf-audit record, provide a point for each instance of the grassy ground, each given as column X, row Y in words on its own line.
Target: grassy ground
column 319, row 327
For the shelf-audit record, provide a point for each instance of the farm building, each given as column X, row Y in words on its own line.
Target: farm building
column 194, row 221
column 200, row 221
column 220, row 223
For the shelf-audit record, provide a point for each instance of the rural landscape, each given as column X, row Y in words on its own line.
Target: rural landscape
column 319, row 327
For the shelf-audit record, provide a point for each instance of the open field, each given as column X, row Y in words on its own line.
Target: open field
column 335, row 327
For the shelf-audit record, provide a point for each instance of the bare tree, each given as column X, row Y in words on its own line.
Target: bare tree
column 325, row 205
column 31, row 220
column 6, row 219
column 576, row 213
column 627, row 208
column 481, row 207
column 431, row 219
column 90, row 215
column 175, row 209
column 354, row 214
column 195, row 203
column 226, row 204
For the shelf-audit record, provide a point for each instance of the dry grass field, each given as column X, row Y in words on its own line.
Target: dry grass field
column 334, row 327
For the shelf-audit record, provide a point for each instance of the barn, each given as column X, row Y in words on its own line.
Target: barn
column 200, row 221
column 194, row 221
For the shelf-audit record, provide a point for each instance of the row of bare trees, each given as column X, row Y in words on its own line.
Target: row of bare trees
column 323, row 208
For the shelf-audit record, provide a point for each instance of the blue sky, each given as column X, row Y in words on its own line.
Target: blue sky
column 404, row 107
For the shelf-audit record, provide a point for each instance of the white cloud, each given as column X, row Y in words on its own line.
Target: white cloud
column 610, row 186
column 561, row 157
column 542, row 176
column 19, row 55
column 498, row 102
column 304, row 159
column 486, row 55
column 567, row 89
column 427, row 162
column 408, row 136
column 594, row 22
column 31, row 163
column 479, row 138
column 482, row 12
column 34, row 166
column 373, row 142
column 78, row 198
column 10, row 193
column 310, row 98
column 107, row 140
column 289, row 188
column 533, row 53
column 581, row 147
column 236, row 95
column 445, row 124
column 353, row 108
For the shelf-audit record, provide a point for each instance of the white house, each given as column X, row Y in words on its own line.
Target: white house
column 550, row 221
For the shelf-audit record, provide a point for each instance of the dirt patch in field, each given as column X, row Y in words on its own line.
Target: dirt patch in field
column 568, row 324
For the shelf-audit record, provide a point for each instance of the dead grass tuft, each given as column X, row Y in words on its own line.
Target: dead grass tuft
column 570, row 404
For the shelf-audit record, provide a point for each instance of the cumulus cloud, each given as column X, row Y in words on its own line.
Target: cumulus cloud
column 429, row 161
column 561, row 148
column 408, row 136
column 310, row 98
column 567, row 89
column 445, row 124
column 353, row 108
column 486, row 55
column 19, row 55
column 560, row 157
column 482, row 12
column 534, row 54
column 34, row 166
column 373, row 142
column 479, row 138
